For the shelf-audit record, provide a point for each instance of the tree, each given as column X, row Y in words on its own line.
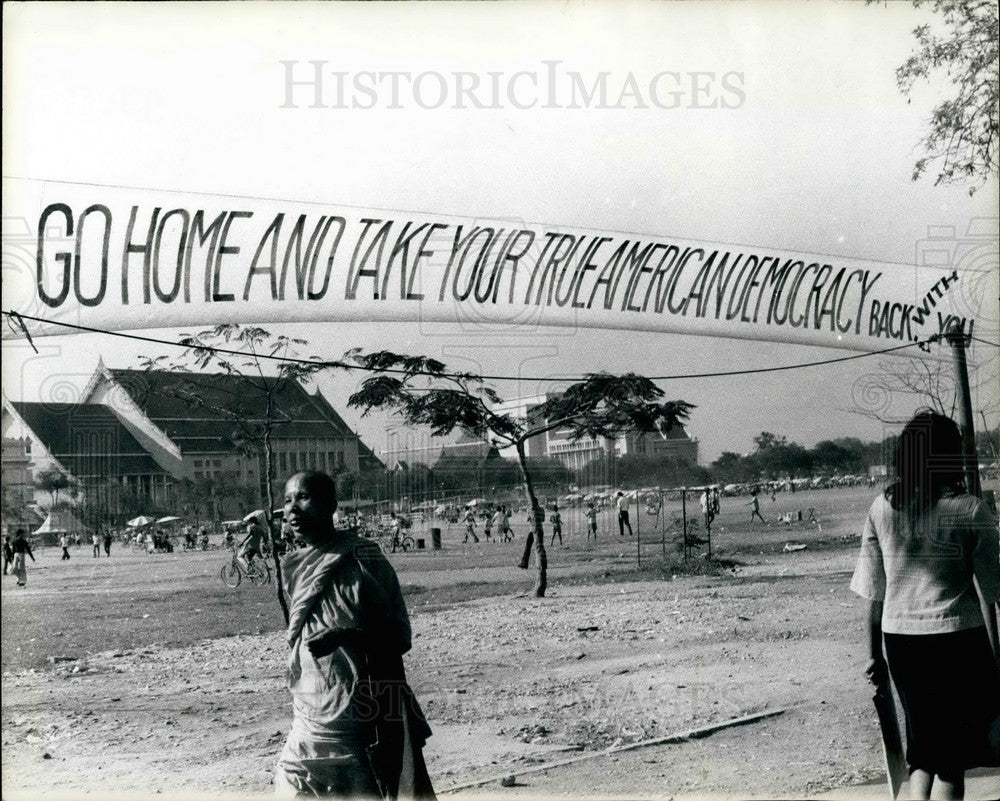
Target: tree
column 962, row 138
column 891, row 393
column 845, row 455
column 733, row 468
column 776, row 456
column 257, row 410
column 638, row 470
column 423, row 393
column 53, row 481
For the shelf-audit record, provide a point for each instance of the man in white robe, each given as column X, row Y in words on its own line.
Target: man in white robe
column 356, row 729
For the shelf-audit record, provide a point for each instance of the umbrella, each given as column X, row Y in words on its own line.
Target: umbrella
column 257, row 514
column 168, row 519
column 476, row 502
column 140, row 521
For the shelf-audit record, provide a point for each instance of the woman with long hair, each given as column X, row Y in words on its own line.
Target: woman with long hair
column 929, row 566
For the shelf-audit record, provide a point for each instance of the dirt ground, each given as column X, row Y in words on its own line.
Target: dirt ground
column 143, row 676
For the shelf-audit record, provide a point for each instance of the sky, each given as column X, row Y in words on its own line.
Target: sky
column 786, row 130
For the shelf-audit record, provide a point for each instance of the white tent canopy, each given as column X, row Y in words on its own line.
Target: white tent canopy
column 61, row 522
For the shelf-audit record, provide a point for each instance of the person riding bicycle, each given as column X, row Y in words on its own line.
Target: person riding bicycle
column 395, row 527
column 250, row 545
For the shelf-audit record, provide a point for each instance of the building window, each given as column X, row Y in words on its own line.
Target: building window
column 340, row 459
column 217, row 463
column 197, row 462
column 331, row 461
column 283, row 462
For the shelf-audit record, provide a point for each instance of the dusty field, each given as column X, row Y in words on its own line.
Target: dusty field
column 165, row 682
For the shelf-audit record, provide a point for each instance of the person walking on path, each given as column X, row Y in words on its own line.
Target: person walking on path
column 8, row 553
column 470, row 525
column 621, row 504
column 95, row 540
column 504, row 532
column 707, row 508
column 357, row 730
column 488, row 525
column 591, row 521
column 498, row 523
column 754, row 504
column 64, row 544
column 929, row 567
column 556, row 524
column 107, row 542
column 21, row 548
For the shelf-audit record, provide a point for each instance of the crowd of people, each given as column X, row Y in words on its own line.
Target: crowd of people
column 929, row 569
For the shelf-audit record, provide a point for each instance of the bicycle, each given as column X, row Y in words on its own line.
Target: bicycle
column 389, row 543
column 258, row 572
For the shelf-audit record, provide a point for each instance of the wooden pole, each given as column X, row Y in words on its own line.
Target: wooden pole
column 663, row 523
column 684, row 520
column 638, row 536
column 959, row 342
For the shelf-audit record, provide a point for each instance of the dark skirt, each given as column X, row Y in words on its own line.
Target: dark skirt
column 949, row 687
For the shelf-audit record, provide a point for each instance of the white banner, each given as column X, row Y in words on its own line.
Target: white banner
column 117, row 258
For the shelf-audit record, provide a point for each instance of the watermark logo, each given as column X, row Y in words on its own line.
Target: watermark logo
column 317, row 84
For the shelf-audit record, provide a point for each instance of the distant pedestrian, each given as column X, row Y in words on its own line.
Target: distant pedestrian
column 707, row 508
column 488, row 525
column 497, row 523
column 556, row 519
column 470, row 525
column 95, row 540
column 79, row 541
column 754, row 504
column 591, row 521
column 21, row 548
column 621, row 504
column 64, row 543
column 107, row 543
column 8, row 553
column 505, row 533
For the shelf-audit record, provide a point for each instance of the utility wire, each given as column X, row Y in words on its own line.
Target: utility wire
column 15, row 317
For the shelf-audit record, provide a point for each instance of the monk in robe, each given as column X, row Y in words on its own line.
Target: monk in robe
column 357, row 731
